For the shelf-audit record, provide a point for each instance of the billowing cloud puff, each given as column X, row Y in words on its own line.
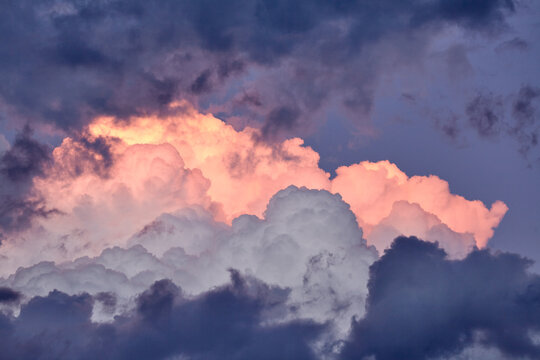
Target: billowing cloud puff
column 410, row 219
column 308, row 241
column 102, row 187
column 94, row 211
column 372, row 190
column 245, row 172
column 186, row 197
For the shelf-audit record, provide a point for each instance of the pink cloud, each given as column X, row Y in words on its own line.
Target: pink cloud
column 191, row 160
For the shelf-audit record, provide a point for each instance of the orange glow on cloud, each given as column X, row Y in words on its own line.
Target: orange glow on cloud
column 244, row 173
column 373, row 188
column 188, row 159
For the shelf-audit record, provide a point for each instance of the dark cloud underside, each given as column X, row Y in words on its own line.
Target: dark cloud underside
column 225, row 323
column 422, row 305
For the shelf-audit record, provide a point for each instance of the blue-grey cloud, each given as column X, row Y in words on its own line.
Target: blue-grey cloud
column 23, row 161
column 8, row 295
column 64, row 62
column 422, row 305
column 225, row 323
column 486, row 115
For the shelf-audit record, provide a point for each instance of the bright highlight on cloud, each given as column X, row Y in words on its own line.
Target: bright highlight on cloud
column 244, row 171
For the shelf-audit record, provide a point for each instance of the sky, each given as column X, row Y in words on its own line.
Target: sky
column 256, row 179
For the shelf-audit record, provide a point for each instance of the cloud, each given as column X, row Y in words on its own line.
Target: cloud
column 4, row 144
column 185, row 197
column 8, row 295
column 493, row 117
column 374, row 189
column 245, row 173
column 282, row 118
column 145, row 181
column 121, row 242
column 227, row 322
column 525, row 127
column 59, row 64
column 308, row 241
column 410, row 219
column 116, row 178
column 20, row 204
column 423, row 305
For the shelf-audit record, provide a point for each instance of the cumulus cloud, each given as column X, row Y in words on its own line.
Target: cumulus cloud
column 422, row 305
column 308, row 241
column 245, row 173
column 120, row 178
column 410, row 219
column 374, row 190
column 95, row 211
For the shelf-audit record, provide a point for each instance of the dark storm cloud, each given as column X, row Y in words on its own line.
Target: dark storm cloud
column 65, row 62
column 224, row 323
column 8, row 295
column 423, row 305
column 22, row 162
